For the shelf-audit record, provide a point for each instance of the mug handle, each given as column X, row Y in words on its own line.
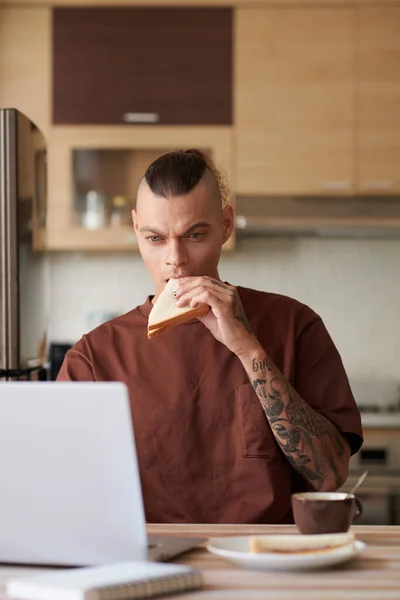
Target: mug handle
column 358, row 509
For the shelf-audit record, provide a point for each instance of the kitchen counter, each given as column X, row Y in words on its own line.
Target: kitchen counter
column 374, row 574
column 380, row 421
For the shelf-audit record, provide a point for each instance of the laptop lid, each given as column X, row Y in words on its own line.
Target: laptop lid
column 70, row 487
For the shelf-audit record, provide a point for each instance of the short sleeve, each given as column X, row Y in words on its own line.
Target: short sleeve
column 321, row 381
column 76, row 365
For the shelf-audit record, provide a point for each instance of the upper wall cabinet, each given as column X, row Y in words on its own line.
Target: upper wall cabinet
column 294, row 107
column 25, row 55
column 142, row 65
column 242, row 3
column 378, row 100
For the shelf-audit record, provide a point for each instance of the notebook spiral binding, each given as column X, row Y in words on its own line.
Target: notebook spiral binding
column 151, row 587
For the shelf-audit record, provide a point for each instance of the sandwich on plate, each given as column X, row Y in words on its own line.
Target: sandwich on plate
column 299, row 544
column 165, row 314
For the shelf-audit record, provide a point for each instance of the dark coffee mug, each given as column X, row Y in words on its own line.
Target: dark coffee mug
column 325, row 512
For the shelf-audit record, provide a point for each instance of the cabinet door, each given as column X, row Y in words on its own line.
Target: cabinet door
column 378, row 100
column 25, row 62
column 294, row 100
column 125, row 155
column 165, row 65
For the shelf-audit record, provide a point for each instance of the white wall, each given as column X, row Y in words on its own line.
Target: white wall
column 353, row 284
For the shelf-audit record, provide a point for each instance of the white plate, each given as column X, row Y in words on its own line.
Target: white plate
column 236, row 549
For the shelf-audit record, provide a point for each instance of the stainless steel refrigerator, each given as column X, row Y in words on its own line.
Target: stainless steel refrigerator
column 23, row 269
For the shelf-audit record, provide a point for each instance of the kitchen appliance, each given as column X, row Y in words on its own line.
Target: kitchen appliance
column 379, row 405
column 23, row 271
column 57, row 352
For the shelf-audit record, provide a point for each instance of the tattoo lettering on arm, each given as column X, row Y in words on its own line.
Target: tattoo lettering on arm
column 311, row 443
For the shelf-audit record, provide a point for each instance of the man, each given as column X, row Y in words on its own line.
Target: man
column 238, row 409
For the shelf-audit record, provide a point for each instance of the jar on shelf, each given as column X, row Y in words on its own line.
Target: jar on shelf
column 94, row 213
column 120, row 212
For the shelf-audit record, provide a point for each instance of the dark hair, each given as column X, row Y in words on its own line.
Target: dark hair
column 177, row 173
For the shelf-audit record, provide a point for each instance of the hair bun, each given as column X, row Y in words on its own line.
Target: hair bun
column 194, row 151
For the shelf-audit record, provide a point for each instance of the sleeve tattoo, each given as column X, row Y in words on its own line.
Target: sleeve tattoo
column 310, row 442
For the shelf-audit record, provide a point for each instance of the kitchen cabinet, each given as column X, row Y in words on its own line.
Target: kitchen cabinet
column 115, row 158
column 380, row 455
column 316, row 97
column 166, row 65
column 25, row 55
column 294, row 106
column 25, row 83
column 378, row 100
column 242, row 3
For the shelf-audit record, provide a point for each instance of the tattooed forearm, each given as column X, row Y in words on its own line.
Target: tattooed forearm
column 311, row 443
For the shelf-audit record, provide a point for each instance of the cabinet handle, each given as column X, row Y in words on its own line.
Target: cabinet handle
column 335, row 185
column 140, row 117
column 377, row 184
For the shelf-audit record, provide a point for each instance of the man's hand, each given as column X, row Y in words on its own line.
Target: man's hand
column 226, row 320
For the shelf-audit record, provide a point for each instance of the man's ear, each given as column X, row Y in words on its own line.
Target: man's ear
column 228, row 222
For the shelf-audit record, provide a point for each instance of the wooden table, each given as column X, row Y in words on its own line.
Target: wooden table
column 374, row 575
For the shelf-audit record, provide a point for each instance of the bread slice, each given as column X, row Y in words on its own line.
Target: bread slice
column 165, row 314
column 153, row 332
column 297, row 543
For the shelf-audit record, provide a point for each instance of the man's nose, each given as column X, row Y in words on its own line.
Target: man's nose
column 175, row 254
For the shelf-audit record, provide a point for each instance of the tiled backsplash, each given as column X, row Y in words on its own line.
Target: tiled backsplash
column 353, row 284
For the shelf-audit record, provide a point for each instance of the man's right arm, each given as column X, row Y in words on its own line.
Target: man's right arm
column 76, row 365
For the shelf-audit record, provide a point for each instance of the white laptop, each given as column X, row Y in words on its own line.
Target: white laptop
column 70, row 490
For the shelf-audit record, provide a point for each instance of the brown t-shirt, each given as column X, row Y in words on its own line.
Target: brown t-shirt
column 206, row 451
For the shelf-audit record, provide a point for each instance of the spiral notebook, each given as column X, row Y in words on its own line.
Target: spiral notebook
column 129, row 580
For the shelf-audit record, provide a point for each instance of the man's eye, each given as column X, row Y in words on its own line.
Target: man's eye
column 195, row 236
column 154, row 238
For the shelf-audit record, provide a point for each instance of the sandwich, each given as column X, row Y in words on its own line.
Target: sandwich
column 299, row 544
column 165, row 314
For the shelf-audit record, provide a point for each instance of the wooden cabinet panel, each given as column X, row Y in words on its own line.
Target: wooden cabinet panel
column 378, row 100
column 64, row 230
column 294, row 100
column 188, row 3
column 172, row 64
column 25, row 53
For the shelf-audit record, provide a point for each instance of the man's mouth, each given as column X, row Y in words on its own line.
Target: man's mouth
column 175, row 277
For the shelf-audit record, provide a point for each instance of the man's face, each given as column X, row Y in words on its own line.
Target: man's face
column 182, row 235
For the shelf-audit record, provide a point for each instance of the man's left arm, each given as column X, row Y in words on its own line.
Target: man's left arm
column 311, row 443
